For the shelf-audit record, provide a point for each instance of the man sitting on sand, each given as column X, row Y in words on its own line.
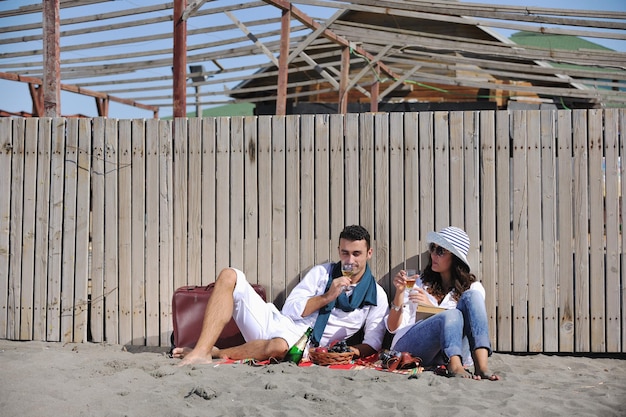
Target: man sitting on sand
column 335, row 306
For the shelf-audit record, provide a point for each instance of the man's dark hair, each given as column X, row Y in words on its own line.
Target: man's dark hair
column 355, row 232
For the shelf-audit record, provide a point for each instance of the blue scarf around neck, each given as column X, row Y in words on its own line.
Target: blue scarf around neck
column 365, row 293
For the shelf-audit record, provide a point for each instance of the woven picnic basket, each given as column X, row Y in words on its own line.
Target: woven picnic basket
column 330, row 358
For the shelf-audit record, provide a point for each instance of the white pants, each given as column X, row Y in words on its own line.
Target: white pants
column 259, row 320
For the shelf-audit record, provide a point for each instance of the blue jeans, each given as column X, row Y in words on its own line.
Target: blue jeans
column 449, row 333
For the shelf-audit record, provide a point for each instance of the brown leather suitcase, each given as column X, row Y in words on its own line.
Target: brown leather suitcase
column 188, row 306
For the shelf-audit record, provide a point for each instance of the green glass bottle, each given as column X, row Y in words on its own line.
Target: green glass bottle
column 294, row 354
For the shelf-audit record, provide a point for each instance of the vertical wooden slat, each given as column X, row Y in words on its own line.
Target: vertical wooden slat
column 28, row 281
column 471, row 187
column 565, row 231
column 237, row 196
column 442, row 170
column 265, row 204
column 367, row 174
column 83, row 216
column 352, row 190
column 138, row 215
column 597, row 216
column 488, row 194
column 456, row 180
column 427, row 181
column 69, row 231
column 549, row 220
column 209, row 198
column 251, row 203
column 622, row 194
column 396, row 197
column 16, row 237
column 336, row 188
column 613, row 267
column 166, row 232
column 503, row 233
column 581, row 232
column 535, row 277
column 152, row 258
column 6, row 152
column 180, row 191
column 278, row 211
column 126, row 278
column 111, row 233
column 381, row 233
column 97, row 239
column 222, row 194
column 293, row 205
column 307, row 192
column 57, row 164
column 411, row 191
column 194, row 201
column 520, row 232
column 323, row 239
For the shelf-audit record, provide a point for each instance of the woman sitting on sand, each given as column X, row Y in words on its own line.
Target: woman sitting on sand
column 460, row 331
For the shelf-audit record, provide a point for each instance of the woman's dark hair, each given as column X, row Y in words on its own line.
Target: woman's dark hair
column 355, row 232
column 462, row 279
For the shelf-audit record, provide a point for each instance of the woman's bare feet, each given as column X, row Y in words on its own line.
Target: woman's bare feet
column 486, row 375
column 456, row 369
column 481, row 370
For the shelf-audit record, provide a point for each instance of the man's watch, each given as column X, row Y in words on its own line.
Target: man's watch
column 395, row 307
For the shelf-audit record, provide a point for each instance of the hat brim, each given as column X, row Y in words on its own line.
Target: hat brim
column 437, row 239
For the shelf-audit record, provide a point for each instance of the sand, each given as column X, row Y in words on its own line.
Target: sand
column 55, row 379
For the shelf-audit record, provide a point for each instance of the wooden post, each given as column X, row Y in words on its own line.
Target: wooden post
column 180, row 59
column 343, row 83
column 36, row 93
column 283, row 74
column 374, row 92
column 51, row 59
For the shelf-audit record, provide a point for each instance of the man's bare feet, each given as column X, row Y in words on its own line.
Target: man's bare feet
column 192, row 357
column 180, row 352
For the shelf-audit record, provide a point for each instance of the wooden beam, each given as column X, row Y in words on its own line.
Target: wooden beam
column 82, row 91
column 36, row 94
column 306, row 20
column 374, row 92
column 283, row 65
column 102, row 104
column 51, row 59
column 191, row 9
column 343, row 83
column 400, row 80
column 303, row 45
column 256, row 40
column 180, row 60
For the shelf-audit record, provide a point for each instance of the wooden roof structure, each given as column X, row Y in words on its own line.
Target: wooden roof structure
column 363, row 51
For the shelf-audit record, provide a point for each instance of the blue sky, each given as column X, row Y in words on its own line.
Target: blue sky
column 15, row 96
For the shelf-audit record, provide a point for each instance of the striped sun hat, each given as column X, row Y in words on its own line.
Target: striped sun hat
column 453, row 239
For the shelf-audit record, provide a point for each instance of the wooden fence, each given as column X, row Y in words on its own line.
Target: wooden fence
column 101, row 219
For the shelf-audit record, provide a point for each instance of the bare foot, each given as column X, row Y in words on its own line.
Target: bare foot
column 193, row 357
column 180, row 352
column 460, row 372
column 486, row 375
